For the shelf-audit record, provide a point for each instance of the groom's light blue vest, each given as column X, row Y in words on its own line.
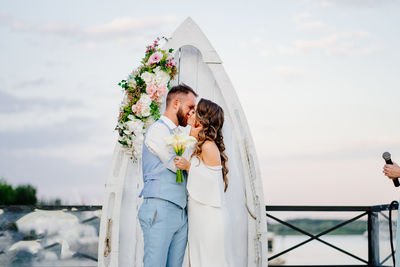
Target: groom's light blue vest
column 159, row 181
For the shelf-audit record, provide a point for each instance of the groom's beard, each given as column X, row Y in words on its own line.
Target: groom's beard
column 182, row 120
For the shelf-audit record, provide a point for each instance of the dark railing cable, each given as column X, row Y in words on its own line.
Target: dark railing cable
column 316, row 237
column 394, row 202
column 371, row 211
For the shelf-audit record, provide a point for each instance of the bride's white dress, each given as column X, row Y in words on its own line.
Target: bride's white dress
column 206, row 216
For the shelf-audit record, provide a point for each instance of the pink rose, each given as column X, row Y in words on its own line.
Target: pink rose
column 151, row 89
column 137, row 108
column 154, row 58
column 173, row 62
column 163, row 90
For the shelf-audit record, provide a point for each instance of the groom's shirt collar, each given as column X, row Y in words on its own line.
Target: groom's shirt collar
column 170, row 123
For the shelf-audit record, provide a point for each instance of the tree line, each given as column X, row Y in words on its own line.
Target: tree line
column 20, row 195
column 316, row 226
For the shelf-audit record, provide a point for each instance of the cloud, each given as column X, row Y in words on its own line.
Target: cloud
column 11, row 104
column 312, row 25
column 326, row 3
column 4, row 17
column 66, row 29
column 354, row 3
column 35, row 82
column 345, row 151
column 128, row 25
column 310, row 44
column 268, row 49
column 301, row 16
column 290, row 71
column 348, row 49
column 340, row 43
column 24, row 114
column 76, row 153
column 348, row 43
column 77, row 139
column 122, row 28
column 303, row 22
column 37, row 117
column 337, row 43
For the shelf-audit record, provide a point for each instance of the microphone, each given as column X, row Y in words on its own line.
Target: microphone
column 387, row 157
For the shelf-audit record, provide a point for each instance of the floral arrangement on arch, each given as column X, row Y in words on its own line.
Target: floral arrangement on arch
column 145, row 90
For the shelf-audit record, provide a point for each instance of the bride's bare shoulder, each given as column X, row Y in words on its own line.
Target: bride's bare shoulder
column 210, row 154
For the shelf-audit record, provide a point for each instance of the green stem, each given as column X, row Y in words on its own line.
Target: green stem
column 179, row 176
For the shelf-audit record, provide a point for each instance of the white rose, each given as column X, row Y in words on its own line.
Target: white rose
column 145, row 99
column 157, row 69
column 131, row 126
column 147, row 77
column 162, row 78
column 135, row 126
column 146, row 111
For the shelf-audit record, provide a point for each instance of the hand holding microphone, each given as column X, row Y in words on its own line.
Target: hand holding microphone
column 391, row 170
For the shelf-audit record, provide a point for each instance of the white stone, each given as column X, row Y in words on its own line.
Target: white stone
column 32, row 246
column 66, row 253
column 50, row 256
column 47, row 222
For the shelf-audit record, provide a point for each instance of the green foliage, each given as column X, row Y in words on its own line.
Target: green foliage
column 316, row 226
column 124, row 143
column 140, row 83
column 21, row 195
column 25, row 195
column 7, row 194
column 155, row 111
column 51, row 202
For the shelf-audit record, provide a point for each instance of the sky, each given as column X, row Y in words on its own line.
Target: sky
column 317, row 80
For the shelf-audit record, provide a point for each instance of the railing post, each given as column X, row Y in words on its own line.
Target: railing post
column 373, row 239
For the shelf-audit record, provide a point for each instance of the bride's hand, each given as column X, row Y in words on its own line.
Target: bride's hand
column 182, row 163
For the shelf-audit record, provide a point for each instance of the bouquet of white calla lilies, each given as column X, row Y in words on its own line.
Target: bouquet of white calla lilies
column 179, row 143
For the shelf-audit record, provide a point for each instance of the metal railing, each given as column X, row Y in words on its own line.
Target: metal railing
column 370, row 212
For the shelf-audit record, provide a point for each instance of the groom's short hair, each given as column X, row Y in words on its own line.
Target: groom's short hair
column 179, row 89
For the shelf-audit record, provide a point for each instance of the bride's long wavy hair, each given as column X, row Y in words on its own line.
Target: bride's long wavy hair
column 211, row 117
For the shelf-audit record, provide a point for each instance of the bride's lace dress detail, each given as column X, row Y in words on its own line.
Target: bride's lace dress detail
column 206, row 215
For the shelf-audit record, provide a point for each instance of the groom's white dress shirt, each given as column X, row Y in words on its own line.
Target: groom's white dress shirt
column 155, row 141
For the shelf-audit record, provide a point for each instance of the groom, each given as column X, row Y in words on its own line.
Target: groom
column 163, row 214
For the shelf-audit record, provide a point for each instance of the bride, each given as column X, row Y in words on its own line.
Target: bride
column 207, row 182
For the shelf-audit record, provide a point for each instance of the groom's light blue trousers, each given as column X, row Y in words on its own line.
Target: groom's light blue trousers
column 165, row 230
